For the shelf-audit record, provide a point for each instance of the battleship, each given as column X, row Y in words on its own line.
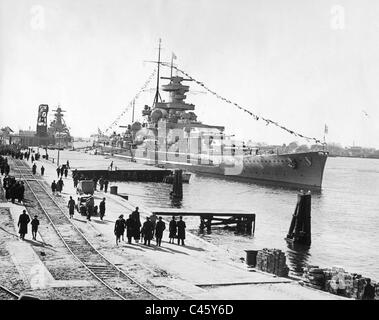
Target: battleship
column 172, row 137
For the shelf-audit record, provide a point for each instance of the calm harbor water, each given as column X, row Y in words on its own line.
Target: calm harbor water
column 345, row 216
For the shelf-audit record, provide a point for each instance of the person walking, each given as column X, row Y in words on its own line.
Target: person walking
column 53, row 187
column 102, row 209
column 42, row 170
column 34, row 168
column 130, row 226
column 181, row 230
column 160, row 227
column 32, row 159
column 60, row 185
column 111, row 165
column 71, row 207
column 119, row 228
column 147, row 231
column 106, row 182
column 62, row 171
column 58, row 171
column 172, row 227
column 65, row 172
column 35, row 224
column 23, row 221
column 68, row 164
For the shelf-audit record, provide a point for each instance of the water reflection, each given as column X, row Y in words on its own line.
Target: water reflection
column 298, row 256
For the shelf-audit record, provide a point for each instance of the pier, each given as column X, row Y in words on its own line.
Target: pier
column 243, row 222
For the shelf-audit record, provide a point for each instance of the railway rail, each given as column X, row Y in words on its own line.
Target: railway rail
column 6, row 294
column 120, row 283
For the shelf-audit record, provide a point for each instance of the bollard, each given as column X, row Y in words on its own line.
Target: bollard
column 300, row 228
column 251, row 257
column 113, row 189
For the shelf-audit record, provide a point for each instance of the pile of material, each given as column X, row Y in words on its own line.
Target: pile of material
column 337, row 281
column 272, row 261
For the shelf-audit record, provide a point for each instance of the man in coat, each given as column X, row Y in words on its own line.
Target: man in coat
column 147, row 231
column 130, row 228
column 160, row 227
column 60, row 185
column 23, row 221
column 58, row 171
column 34, row 168
column 102, row 209
column 53, row 187
column 119, row 228
column 71, row 207
column 172, row 228
column 137, row 225
column 181, row 230
column 42, row 170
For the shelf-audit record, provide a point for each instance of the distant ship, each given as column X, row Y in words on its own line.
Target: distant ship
column 172, row 137
column 59, row 130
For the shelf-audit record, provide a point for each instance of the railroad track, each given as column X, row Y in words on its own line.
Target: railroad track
column 116, row 280
column 6, row 294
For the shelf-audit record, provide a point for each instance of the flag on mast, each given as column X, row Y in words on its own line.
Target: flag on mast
column 174, row 56
column 326, row 129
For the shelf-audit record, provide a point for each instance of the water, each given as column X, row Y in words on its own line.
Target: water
column 345, row 219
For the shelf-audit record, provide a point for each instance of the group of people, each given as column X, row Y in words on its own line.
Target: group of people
column 57, row 186
column 14, row 189
column 150, row 228
column 23, row 222
column 90, row 208
column 4, row 166
column 63, row 170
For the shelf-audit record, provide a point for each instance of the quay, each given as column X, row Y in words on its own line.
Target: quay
column 198, row 270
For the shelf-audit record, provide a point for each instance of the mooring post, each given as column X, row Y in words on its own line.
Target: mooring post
column 300, row 228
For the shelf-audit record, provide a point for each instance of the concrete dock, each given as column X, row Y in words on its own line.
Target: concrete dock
column 198, row 270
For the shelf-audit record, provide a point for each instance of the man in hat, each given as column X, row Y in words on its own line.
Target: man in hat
column 119, row 228
column 102, row 209
column 147, row 231
column 35, row 224
column 71, row 207
column 181, row 230
column 160, row 227
column 23, row 221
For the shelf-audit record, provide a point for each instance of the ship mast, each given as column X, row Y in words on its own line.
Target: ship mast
column 157, row 94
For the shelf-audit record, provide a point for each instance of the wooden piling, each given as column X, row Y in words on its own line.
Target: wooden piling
column 300, row 228
column 177, row 191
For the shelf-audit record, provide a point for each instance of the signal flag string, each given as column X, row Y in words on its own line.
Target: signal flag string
column 256, row 117
column 143, row 88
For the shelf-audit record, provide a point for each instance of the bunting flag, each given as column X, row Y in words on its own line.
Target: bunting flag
column 143, row 88
column 256, row 117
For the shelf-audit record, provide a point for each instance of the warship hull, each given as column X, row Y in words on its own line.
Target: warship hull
column 293, row 169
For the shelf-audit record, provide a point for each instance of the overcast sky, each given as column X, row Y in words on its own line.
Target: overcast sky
column 301, row 63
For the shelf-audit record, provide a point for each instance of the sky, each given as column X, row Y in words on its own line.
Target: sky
column 300, row 63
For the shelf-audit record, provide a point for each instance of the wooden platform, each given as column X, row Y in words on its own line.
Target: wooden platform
column 141, row 175
column 244, row 222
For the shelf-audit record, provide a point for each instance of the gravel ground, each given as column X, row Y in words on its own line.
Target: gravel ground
column 9, row 276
